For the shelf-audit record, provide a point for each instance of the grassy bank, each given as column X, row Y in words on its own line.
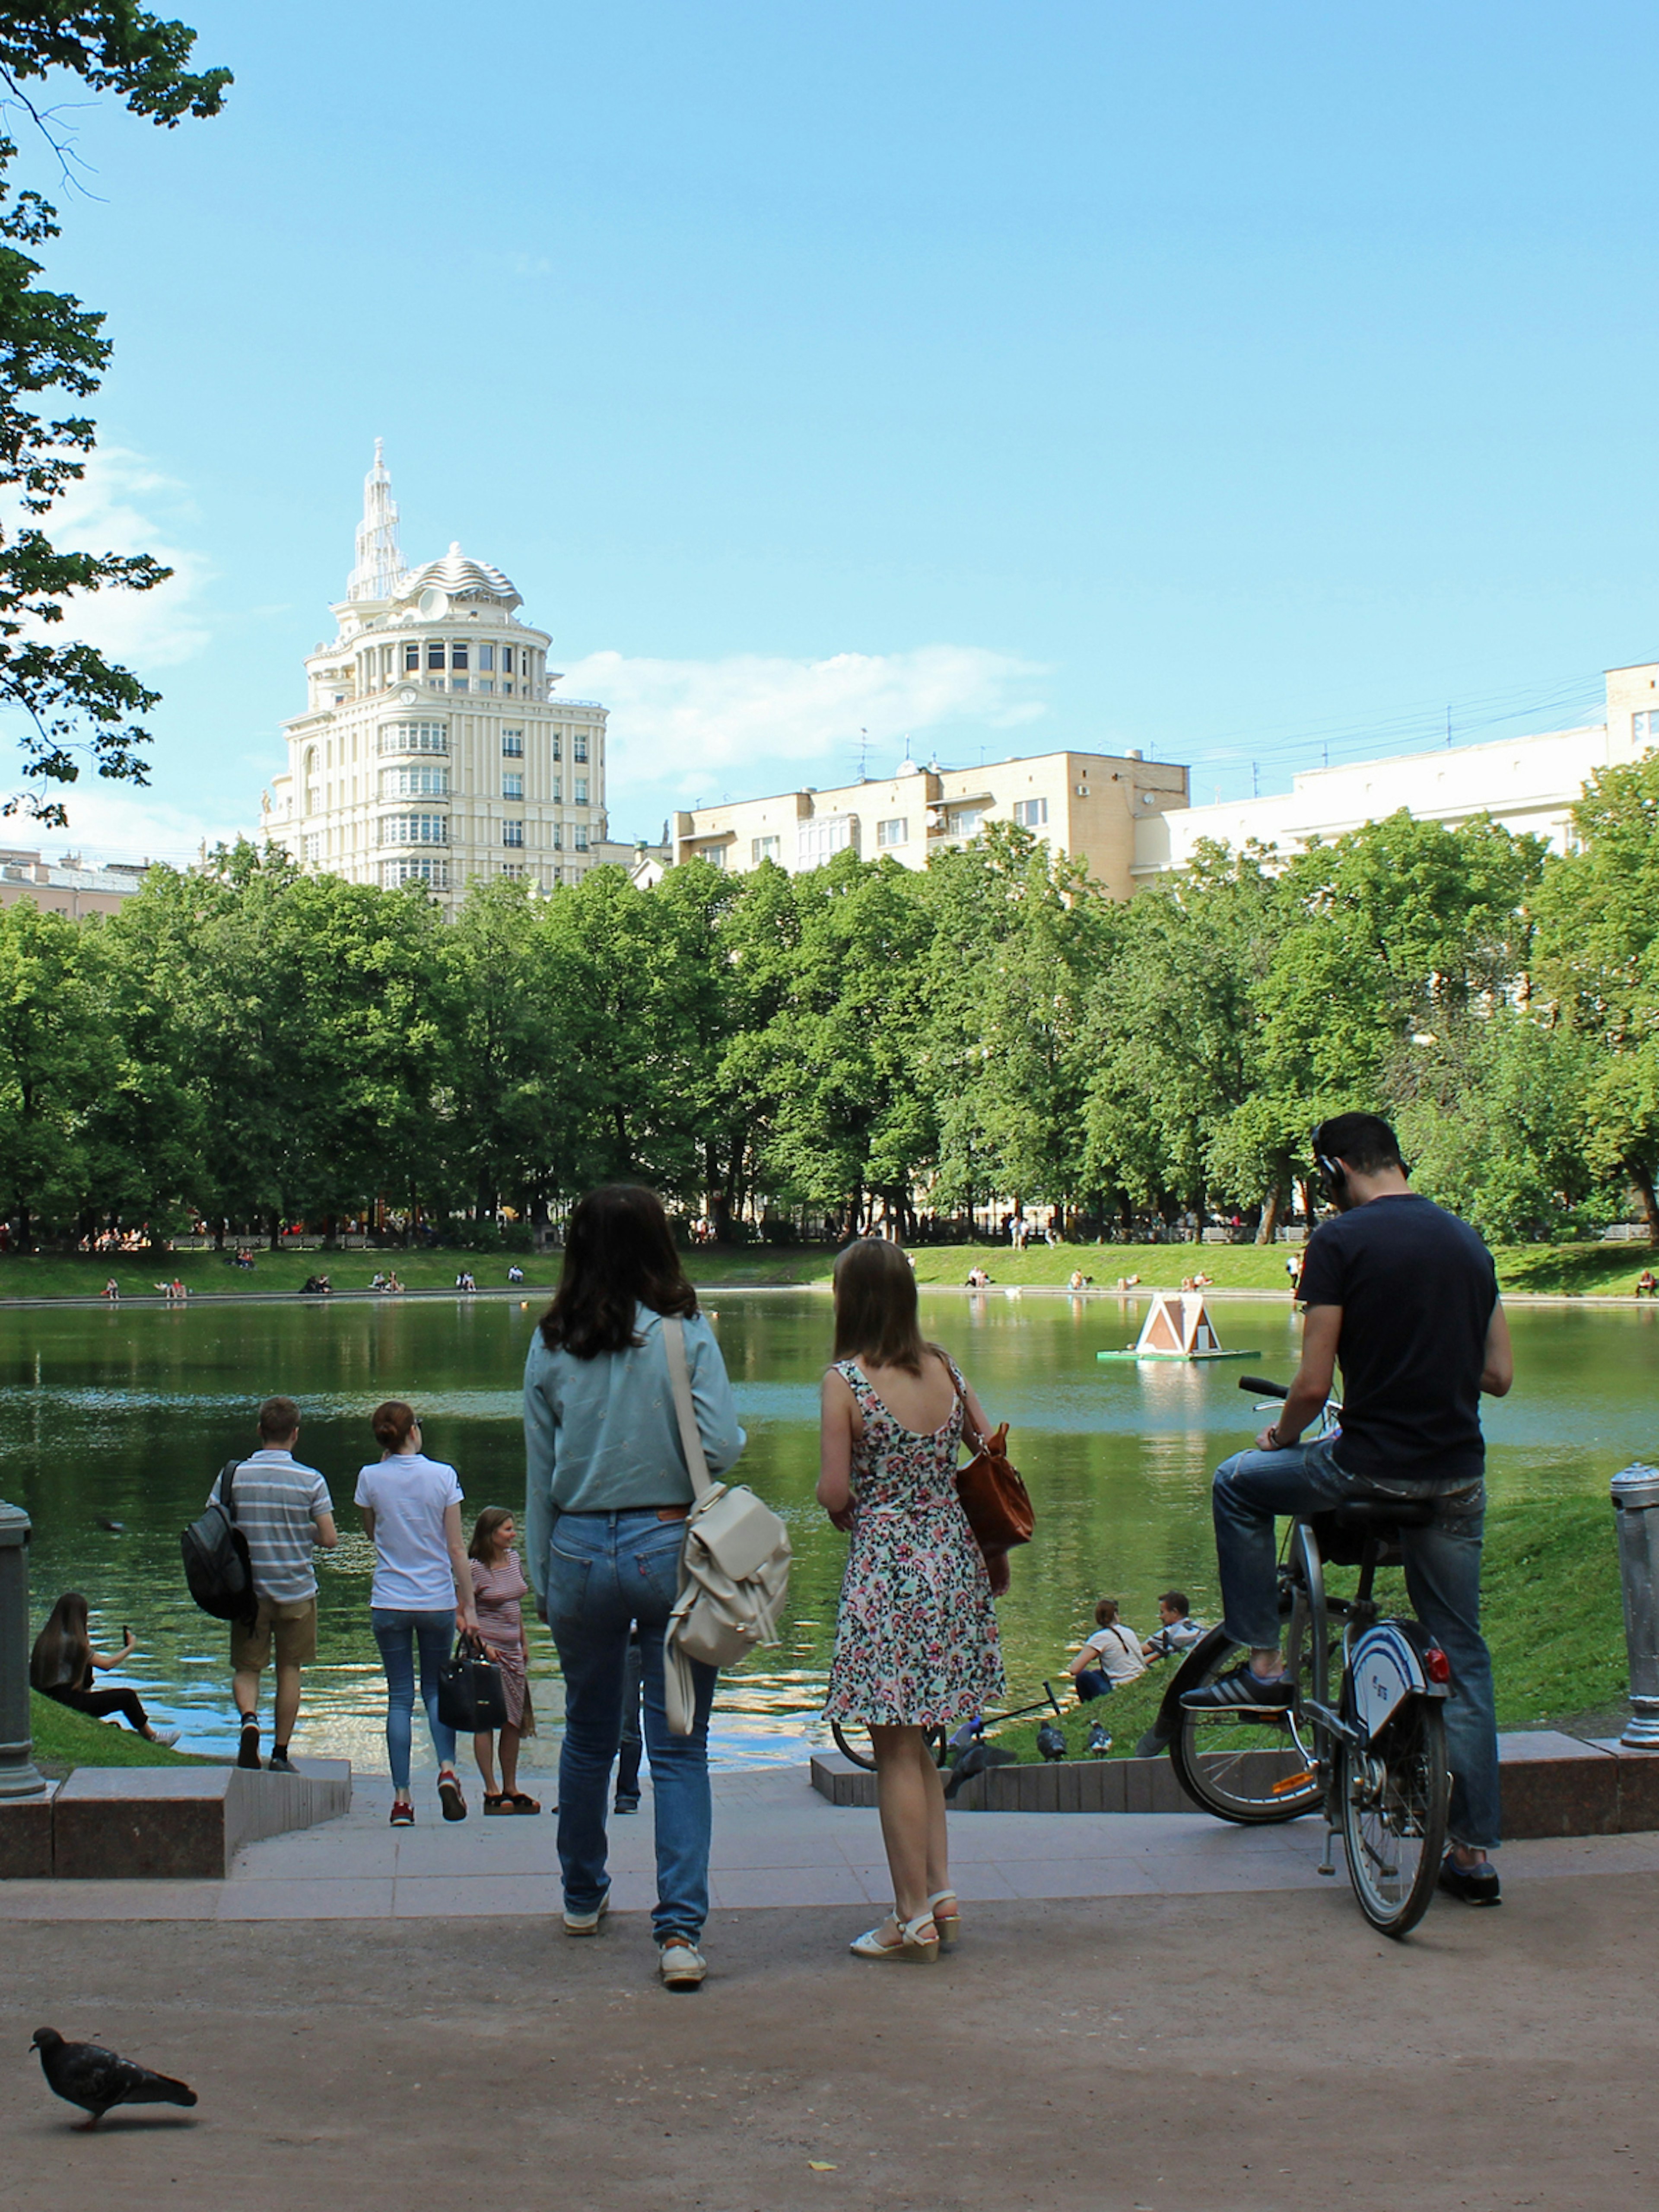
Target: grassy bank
column 63, row 1739
column 1605, row 1270
column 1553, row 1618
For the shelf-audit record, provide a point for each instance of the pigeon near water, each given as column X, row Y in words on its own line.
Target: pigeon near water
column 1050, row 1742
column 97, row 2080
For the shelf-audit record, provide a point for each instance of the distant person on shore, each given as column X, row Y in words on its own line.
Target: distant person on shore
column 1177, row 1631
column 1080, row 1281
column 1293, row 1272
column 916, row 1644
column 607, row 1495
column 284, row 1511
column 113, row 1292
column 498, row 1587
column 63, row 1664
column 1111, row 1658
column 977, row 1279
column 421, row 1595
column 1647, row 1284
column 515, row 1274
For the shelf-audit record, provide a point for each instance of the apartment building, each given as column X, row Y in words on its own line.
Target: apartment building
column 1086, row 804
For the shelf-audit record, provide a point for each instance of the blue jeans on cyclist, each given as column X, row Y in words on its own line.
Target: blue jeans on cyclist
column 1443, row 1578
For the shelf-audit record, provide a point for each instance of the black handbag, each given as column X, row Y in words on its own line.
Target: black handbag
column 471, row 1696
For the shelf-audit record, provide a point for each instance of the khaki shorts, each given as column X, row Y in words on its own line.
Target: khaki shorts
column 291, row 1621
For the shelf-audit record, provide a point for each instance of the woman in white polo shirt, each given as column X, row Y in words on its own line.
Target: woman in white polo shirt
column 422, row 1593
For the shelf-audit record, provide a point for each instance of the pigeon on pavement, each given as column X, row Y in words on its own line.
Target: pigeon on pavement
column 1050, row 1742
column 96, row 2079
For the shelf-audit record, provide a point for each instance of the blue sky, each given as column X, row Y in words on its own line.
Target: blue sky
column 1227, row 382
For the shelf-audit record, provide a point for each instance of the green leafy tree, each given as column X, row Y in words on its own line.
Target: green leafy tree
column 55, row 1062
column 67, row 700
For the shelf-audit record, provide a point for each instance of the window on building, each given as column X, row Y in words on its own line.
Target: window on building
column 578, row 745
column 578, row 790
column 414, row 830
column 507, row 660
column 558, row 744
column 820, row 840
column 460, row 650
column 558, row 790
column 415, row 780
column 964, row 821
column 411, row 657
column 435, row 653
column 512, row 786
column 416, row 868
column 895, row 832
column 558, row 834
column 580, row 841
column 511, row 832
column 513, row 867
column 512, row 744
column 486, row 656
column 1031, row 813
column 313, row 846
column 484, row 684
column 764, row 848
column 414, row 737
column 1645, row 726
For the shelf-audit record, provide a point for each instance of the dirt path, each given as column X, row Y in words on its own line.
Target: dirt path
column 1206, row 2054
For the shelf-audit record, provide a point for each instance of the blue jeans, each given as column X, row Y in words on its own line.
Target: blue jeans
column 1442, row 1575
column 1092, row 1682
column 606, row 1571
column 396, row 1633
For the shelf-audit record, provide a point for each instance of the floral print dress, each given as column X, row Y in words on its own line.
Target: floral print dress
column 916, row 1635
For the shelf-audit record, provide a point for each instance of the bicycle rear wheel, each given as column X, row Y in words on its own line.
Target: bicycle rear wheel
column 853, row 1741
column 1245, row 1766
column 1395, row 1797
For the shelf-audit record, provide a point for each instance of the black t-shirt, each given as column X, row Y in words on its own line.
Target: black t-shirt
column 1417, row 1288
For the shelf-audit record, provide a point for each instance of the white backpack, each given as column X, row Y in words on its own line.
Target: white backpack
column 734, row 1572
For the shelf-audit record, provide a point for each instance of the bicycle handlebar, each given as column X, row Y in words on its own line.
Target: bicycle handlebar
column 1259, row 1387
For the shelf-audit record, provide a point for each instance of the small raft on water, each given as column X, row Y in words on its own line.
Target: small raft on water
column 1178, row 1326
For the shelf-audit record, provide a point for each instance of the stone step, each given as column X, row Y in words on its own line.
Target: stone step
column 1553, row 1785
column 162, row 1823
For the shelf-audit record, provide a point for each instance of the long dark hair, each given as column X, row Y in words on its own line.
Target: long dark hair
column 876, row 1310
column 618, row 1253
column 488, row 1526
column 64, row 1638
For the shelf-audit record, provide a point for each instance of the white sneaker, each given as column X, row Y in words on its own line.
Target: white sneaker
column 586, row 1923
column 681, row 1964
column 166, row 1737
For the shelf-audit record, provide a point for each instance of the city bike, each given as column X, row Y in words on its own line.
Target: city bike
column 1363, row 1738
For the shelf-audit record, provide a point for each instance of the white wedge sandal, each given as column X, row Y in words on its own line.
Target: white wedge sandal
column 917, row 1945
column 949, row 1924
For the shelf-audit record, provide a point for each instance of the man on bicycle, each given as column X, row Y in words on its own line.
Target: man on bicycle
column 1404, row 1297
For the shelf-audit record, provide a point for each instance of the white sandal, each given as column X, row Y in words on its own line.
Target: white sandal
column 949, row 1924
column 912, row 1945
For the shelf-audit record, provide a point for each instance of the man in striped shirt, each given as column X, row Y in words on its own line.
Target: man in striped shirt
column 284, row 1511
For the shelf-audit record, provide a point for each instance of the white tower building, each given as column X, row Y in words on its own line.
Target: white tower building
column 434, row 744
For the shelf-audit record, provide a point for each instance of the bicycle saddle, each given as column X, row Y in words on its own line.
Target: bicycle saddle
column 1386, row 1513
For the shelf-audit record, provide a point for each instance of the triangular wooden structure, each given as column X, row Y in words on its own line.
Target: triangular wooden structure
column 1178, row 1326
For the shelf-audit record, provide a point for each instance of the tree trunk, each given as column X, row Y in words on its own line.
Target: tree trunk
column 1641, row 1175
column 331, row 1239
column 1272, row 1207
column 274, row 1231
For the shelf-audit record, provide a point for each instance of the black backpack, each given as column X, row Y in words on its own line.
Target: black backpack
column 217, row 1563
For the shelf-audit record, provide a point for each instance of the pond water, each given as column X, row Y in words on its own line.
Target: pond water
column 127, row 1416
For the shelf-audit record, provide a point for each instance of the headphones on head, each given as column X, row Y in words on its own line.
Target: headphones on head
column 1331, row 1172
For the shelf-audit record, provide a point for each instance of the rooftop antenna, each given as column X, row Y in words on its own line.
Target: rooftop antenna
column 864, row 752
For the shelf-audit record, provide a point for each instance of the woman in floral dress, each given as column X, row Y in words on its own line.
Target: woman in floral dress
column 917, row 1638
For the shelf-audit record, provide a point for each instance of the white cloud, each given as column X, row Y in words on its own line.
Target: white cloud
column 122, row 505
column 681, row 722
column 108, row 822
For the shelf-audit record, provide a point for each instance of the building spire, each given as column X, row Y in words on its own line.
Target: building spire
column 379, row 569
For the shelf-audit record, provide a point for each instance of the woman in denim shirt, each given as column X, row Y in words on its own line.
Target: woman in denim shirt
column 606, row 1498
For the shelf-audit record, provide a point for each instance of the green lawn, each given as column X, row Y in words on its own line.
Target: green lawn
column 63, row 1739
column 1553, row 1618
column 1606, row 1269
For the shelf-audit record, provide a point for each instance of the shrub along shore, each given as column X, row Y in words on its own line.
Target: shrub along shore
column 1546, row 1270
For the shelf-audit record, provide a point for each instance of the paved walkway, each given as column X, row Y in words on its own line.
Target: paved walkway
column 777, row 1843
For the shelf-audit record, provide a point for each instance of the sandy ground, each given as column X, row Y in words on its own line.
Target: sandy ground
column 1171, row 2054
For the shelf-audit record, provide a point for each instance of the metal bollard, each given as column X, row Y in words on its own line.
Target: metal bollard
column 1636, row 1514
column 19, row 1777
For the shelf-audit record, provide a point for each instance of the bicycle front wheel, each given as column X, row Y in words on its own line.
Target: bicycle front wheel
column 1243, row 1766
column 853, row 1741
column 1395, row 1797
